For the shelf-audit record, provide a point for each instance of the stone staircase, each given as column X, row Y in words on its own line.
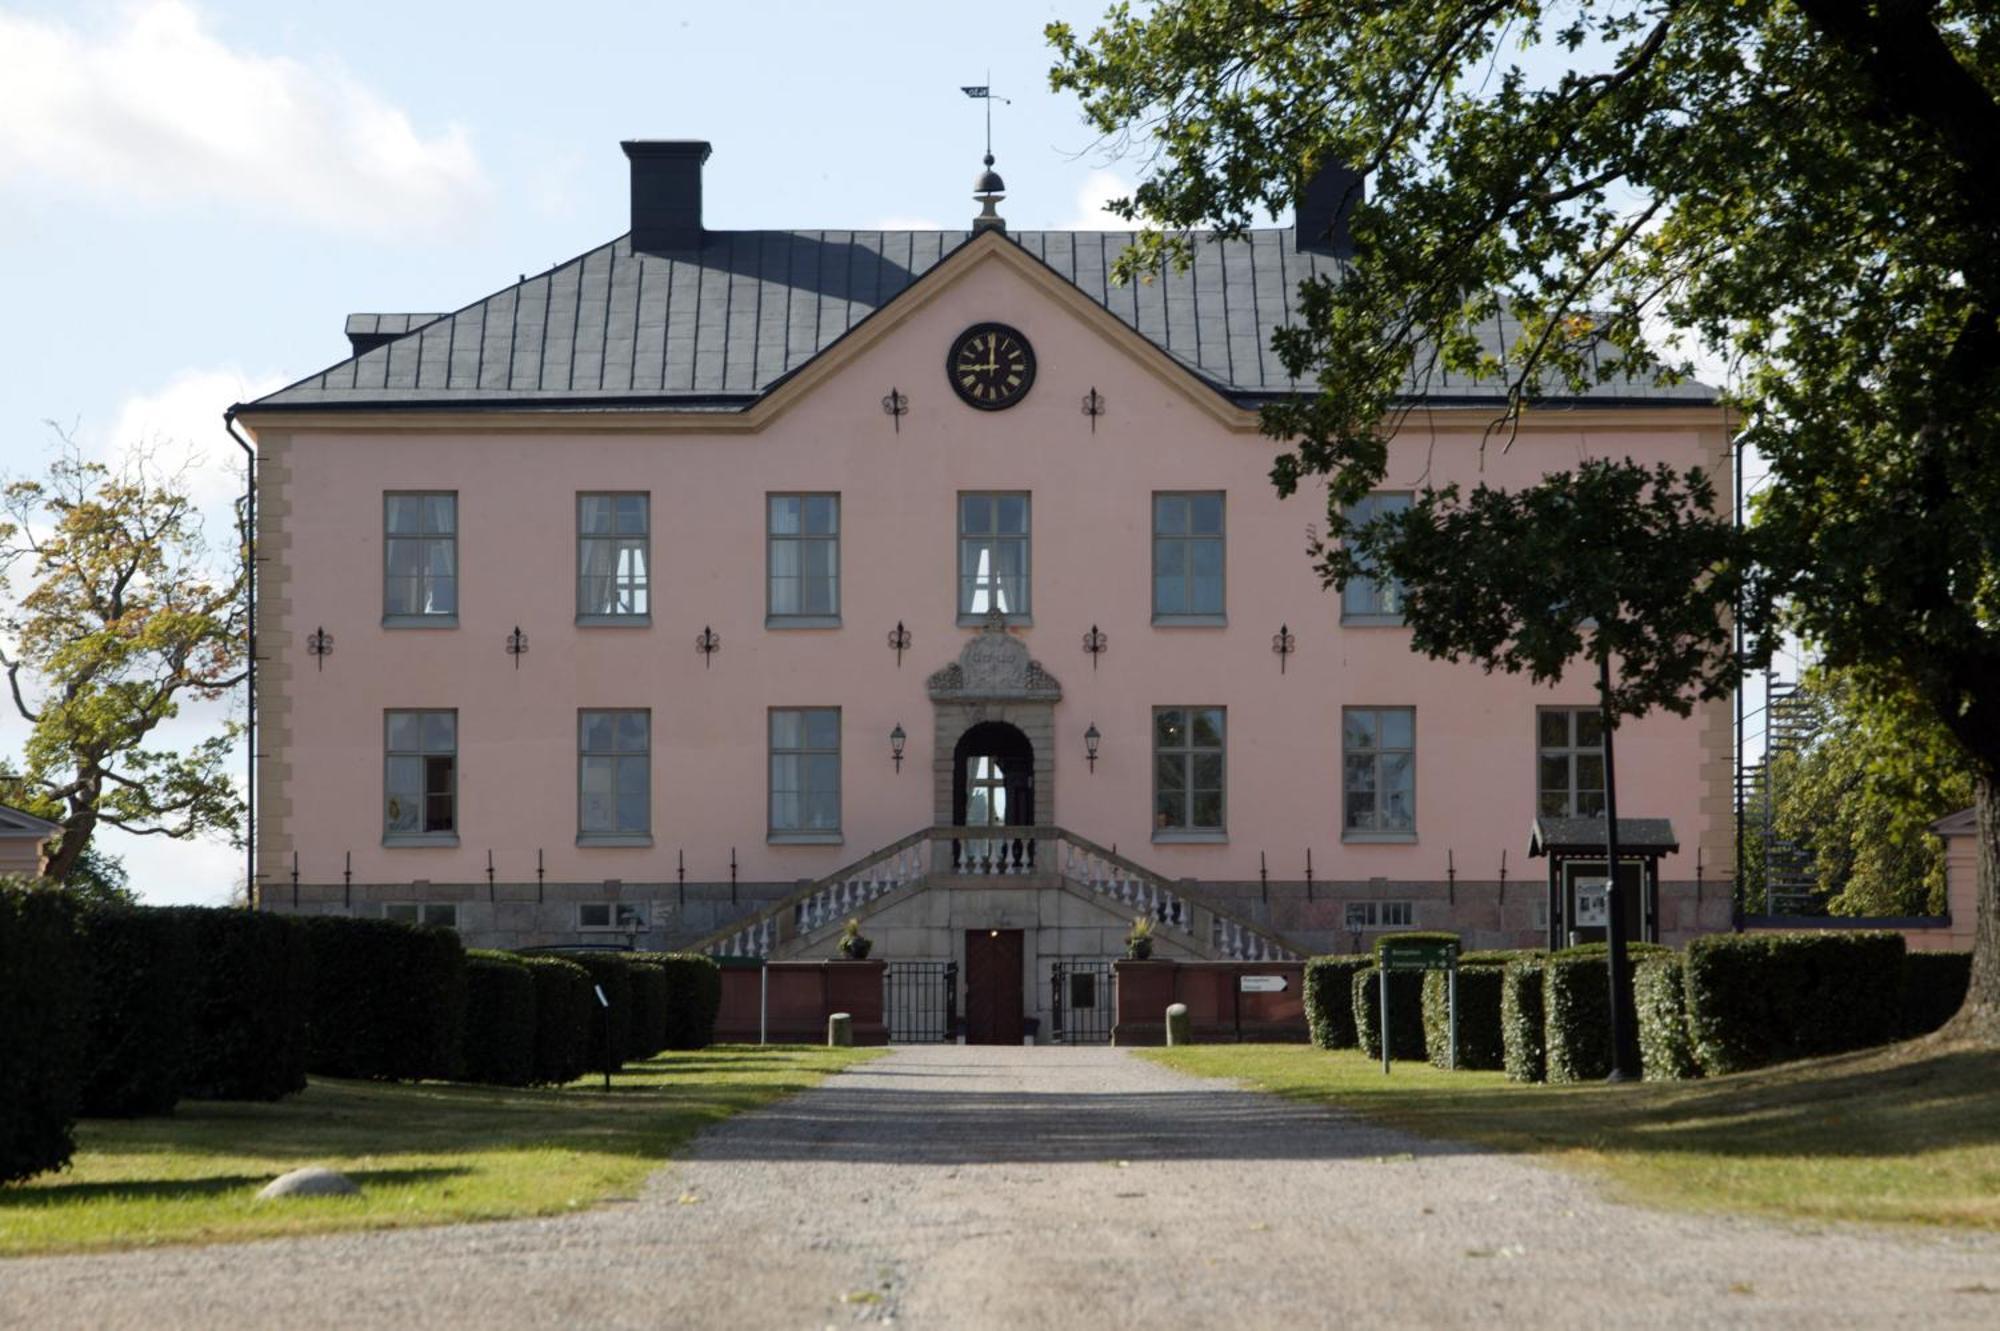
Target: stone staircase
column 941, row 858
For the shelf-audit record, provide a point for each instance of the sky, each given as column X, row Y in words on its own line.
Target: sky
column 193, row 196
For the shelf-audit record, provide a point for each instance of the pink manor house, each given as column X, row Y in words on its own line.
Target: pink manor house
column 716, row 587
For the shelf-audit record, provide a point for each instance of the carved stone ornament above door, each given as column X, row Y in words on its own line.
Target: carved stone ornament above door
column 994, row 666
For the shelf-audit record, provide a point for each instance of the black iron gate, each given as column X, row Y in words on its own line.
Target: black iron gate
column 1082, row 1000
column 921, row 999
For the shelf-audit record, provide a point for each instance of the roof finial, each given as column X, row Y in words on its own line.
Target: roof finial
column 988, row 189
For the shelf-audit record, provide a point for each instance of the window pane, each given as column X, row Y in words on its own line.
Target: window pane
column 1359, row 730
column 404, row 514
column 1170, row 514
column 822, row 515
column 1554, row 804
column 787, row 730
column 1590, row 729
column 1398, row 723
column 1208, row 771
column 1207, row 558
column 1207, row 809
column 1169, row 727
column 440, row 732
column 823, row 810
column 1011, row 514
column 1170, row 558
column 1170, row 808
column 822, row 729
column 631, row 514
column 597, row 730
column 785, row 811
column 1399, row 792
column 1554, row 773
column 784, row 515
column 1170, row 771
column 1589, row 771
column 1208, row 727
column 404, row 728
column 634, row 796
column 1554, row 728
column 441, row 596
column 593, row 515
column 1170, row 594
column 632, row 729
column 593, row 916
column 975, row 514
column 437, row 813
column 440, row 514
column 400, row 911
column 438, row 775
column 1206, row 517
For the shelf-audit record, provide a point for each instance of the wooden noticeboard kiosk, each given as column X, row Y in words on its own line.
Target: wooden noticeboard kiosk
column 1578, row 903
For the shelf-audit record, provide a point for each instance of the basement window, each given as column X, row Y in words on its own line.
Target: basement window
column 619, row 915
column 1364, row 915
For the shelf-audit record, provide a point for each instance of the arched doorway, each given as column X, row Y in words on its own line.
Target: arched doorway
column 992, row 786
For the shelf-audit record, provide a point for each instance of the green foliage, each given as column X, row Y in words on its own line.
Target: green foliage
column 1523, row 1020
column 388, row 999
column 1934, row 986
column 1800, row 191
column 247, row 1006
column 1480, row 1045
column 44, row 996
column 1329, row 999
column 1406, row 1013
column 499, row 1020
column 1576, row 1009
column 1763, row 998
column 98, row 878
column 142, row 969
column 649, row 1006
column 1863, row 792
column 612, row 973
column 1666, row 1053
column 121, row 620
column 694, row 998
column 566, row 1031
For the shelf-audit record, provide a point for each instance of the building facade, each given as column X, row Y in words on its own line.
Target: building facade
column 713, row 588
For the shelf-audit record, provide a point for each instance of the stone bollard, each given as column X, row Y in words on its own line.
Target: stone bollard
column 839, row 1030
column 1177, row 1024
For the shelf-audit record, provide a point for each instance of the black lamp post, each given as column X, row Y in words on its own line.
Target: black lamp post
column 1624, row 1017
column 896, row 741
column 1090, row 742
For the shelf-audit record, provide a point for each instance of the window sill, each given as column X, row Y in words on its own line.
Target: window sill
column 804, row 838
column 1372, row 622
column 614, row 621
column 802, row 621
column 1190, row 621
column 1191, row 836
column 627, row 839
column 420, row 839
column 1021, row 621
column 1379, row 838
column 420, row 621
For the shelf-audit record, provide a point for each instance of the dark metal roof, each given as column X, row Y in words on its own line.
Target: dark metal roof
column 1585, row 836
column 723, row 324
column 1963, row 823
column 20, row 823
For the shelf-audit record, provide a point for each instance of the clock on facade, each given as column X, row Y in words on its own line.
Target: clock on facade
column 991, row 366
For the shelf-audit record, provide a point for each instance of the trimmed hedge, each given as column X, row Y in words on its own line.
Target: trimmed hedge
column 1934, row 985
column 1666, row 1053
column 1522, row 1019
column 43, row 991
column 388, row 999
column 499, row 1020
column 611, row 972
column 1480, row 1046
column 1576, row 1009
column 649, row 1006
column 566, row 1031
column 141, row 962
column 1329, row 999
column 694, row 998
column 1406, row 1013
column 1764, row 998
column 247, row 1006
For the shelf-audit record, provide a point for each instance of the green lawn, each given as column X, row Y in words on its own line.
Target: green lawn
column 1905, row 1134
column 423, row 1154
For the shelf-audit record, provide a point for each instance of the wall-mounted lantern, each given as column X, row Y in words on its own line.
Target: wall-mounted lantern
column 896, row 741
column 1090, row 742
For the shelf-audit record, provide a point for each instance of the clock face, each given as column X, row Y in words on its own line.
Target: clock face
column 991, row 366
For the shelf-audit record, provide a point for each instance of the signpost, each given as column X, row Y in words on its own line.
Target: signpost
column 1418, row 954
column 604, row 1004
column 1261, row 984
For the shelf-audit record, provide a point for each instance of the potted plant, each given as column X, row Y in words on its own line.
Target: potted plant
column 854, row 947
column 1139, row 942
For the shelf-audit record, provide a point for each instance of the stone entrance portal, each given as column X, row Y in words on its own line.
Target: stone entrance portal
column 995, row 703
column 994, row 1011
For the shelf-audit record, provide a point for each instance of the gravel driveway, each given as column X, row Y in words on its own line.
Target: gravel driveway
column 971, row 1187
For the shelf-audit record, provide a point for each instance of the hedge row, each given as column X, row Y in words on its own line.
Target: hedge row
column 694, row 998
column 43, row 984
column 1329, row 999
column 1934, row 985
column 1659, row 993
column 1758, row 999
column 1479, row 1041
column 1523, row 1020
column 1576, row 1009
column 499, row 1045
column 388, row 1000
column 1406, row 1013
column 566, row 1020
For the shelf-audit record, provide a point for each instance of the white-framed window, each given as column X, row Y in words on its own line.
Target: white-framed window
column 420, row 558
column 613, row 558
column 1569, row 762
column 805, row 774
column 623, row 916
column 614, row 776
column 1188, row 557
column 1366, row 599
column 802, row 544
column 1188, row 772
column 1379, row 773
column 439, row 914
column 420, row 777
column 993, row 541
column 1365, row 915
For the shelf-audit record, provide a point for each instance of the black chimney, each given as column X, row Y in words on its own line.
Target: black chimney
column 666, row 193
column 1320, row 224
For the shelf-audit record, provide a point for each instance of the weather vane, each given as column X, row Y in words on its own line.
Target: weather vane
column 983, row 92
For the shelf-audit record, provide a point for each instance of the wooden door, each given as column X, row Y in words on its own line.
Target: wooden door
column 993, row 988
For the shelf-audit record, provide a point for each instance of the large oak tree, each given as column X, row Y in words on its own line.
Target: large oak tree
column 1808, row 190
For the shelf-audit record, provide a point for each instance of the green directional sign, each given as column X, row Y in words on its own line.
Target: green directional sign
column 1418, row 955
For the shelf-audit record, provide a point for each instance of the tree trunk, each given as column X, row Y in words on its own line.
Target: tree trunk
column 1979, row 1019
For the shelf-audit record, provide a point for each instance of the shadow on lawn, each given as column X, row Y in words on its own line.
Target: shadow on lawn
column 43, row 1195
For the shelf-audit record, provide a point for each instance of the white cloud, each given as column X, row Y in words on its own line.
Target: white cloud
column 157, row 109
column 1098, row 188
column 180, row 425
